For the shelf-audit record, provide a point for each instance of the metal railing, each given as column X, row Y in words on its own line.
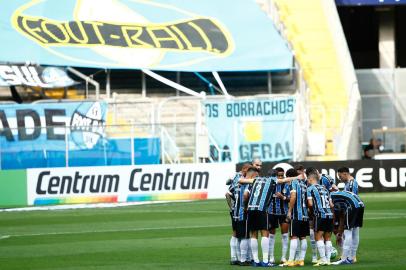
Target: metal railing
column 169, row 149
column 66, row 146
column 179, row 128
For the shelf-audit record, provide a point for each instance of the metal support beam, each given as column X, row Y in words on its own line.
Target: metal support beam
column 178, row 82
column 269, row 83
column 108, row 89
column 173, row 84
column 143, row 85
column 218, row 79
column 87, row 79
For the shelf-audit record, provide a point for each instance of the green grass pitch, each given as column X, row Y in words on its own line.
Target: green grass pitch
column 191, row 235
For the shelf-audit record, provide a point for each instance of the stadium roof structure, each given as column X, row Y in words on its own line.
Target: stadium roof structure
column 164, row 35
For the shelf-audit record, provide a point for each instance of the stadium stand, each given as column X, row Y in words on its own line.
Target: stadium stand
column 305, row 25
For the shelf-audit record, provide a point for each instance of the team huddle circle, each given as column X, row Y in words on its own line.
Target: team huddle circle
column 300, row 203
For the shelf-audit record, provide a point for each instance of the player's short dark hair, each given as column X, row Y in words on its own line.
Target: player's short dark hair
column 279, row 169
column 343, row 170
column 310, row 170
column 252, row 169
column 299, row 167
column 245, row 167
column 312, row 174
column 291, row 173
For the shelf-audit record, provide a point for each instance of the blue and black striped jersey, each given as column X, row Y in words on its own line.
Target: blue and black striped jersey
column 231, row 192
column 327, row 181
column 238, row 206
column 321, row 201
column 345, row 200
column 236, row 178
column 279, row 206
column 351, row 186
column 232, row 187
column 299, row 211
column 261, row 193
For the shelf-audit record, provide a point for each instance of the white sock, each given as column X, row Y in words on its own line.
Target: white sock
column 249, row 256
column 265, row 249
column 355, row 242
column 238, row 250
column 233, row 248
column 329, row 246
column 297, row 256
column 254, row 248
column 244, row 250
column 293, row 247
column 285, row 244
column 271, row 247
column 313, row 244
column 303, row 248
column 347, row 244
column 322, row 250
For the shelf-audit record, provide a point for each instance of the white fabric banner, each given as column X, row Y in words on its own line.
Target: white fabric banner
column 127, row 183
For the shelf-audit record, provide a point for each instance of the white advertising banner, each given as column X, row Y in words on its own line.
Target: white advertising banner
column 127, row 183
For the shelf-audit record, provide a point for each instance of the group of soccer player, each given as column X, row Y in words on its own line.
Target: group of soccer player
column 301, row 202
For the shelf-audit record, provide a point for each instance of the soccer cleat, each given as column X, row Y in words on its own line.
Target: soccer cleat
column 288, row 264
column 264, row 264
column 272, row 264
column 343, row 262
column 246, row 263
column 256, row 264
column 321, row 263
column 272, row 260
column 299, row 263
column 314, row 260
column 234, row 262
column 354, row 259
column 283, row 260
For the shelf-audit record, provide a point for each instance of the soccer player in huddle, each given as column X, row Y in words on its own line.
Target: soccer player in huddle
column 351, row 213
column 258, row 198
column 240, row 217
column 351, row 184
column 277, row 216
column 300, row 169
column 299, row 219
column 231, row 201
column 257, row 163
column 321, row 207
column 328, row 182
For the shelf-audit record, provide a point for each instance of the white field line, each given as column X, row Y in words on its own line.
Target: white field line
column 154, row 228
column 118, row 230
column 82, row 206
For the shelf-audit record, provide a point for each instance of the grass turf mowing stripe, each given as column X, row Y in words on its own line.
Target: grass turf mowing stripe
column 180, row 236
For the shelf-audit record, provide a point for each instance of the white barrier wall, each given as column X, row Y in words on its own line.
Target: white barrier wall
column 127, row 183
